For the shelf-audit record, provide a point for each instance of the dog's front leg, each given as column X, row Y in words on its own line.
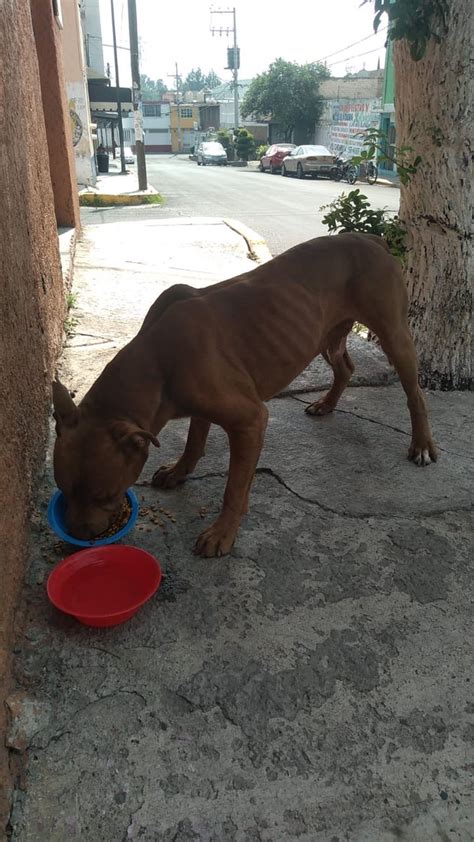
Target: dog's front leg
column 169, row 476
column 245, row 447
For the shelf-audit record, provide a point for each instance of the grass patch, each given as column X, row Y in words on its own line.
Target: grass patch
column 70, row 322
column 95, row 200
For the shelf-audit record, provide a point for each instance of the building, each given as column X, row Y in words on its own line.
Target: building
column 92, row 35
column 77, row 93
column 223, row 95
column 387, row 117
column 102, row 95
column 184, row 122
column 351, row 105
column 39, row 196
column 156, row 127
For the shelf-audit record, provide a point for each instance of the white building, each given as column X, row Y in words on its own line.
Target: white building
column 92, row 33
column 156, row 127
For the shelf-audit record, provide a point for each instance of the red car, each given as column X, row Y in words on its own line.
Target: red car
column 273, row 158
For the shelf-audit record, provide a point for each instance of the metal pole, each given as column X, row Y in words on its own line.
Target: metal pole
column 117, row 85
column 236, row 77
column 136, row 95
column 178, row 116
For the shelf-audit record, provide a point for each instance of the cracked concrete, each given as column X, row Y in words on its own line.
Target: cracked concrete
column 315, row 685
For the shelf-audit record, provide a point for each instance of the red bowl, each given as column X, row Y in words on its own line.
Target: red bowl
column 104, row 586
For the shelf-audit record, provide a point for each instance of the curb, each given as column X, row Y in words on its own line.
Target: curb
column 258, row 249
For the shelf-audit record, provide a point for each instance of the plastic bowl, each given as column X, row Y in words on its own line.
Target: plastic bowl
column 104, row 586
column 57, row 522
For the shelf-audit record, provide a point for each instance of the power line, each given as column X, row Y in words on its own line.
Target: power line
column 359, row 55
column 343, row 49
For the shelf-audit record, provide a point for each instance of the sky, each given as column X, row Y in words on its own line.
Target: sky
column 304, row 31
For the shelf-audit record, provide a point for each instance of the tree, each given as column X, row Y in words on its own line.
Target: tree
column 213, row 80
column 245, row 144
column 196, row 80
column 287, row 93
column 152, row 88
column 431, row 59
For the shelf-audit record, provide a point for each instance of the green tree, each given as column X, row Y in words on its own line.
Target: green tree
column 196, row 80
column 224, row 137
column 288, row 94
column 152, row 88
column 245, row 144
column 212, row 79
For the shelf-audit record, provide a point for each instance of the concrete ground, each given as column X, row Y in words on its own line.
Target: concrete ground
column 315, row 685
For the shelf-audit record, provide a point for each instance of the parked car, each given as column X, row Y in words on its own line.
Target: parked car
column 308, row 160
column 211, row 152
column 273, row 157
column 129, row 156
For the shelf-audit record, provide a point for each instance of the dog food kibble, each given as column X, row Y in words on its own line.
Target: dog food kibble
column 120, row 522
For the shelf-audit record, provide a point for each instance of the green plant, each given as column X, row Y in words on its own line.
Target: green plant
column 245, row 144
column 70, row 322
column 71, row 300
column 261, row 150
column 227, row 141
column 414, row 20
column 374, row 141
column 352, row 212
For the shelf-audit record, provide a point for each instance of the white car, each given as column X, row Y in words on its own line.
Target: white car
column 129, row 156
column 211, row 152
column 308, row 160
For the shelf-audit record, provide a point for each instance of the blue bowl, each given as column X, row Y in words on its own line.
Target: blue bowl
column 56, row 520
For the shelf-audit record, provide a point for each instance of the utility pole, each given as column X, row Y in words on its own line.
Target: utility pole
column 235, row 68
column 136, row 95
column 233, row 55
column 117, row 85
column 176, row 77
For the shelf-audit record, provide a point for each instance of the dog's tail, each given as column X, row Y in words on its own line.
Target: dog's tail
column 178, row 292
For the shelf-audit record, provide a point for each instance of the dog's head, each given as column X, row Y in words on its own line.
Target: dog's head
column 95, row 461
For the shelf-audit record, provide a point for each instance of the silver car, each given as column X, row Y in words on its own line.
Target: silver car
column 308, row 160
column 211, row 152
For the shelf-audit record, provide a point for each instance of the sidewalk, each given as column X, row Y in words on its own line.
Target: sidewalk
column 313, row 686
column 117, row 188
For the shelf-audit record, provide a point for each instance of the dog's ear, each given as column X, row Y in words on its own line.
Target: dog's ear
column 129, row 436
column 65, row 410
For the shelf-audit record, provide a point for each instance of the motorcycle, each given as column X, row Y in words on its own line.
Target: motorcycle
column 344, row 169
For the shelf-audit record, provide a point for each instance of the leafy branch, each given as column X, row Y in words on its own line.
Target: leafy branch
column 376, row 141
column 352, row 212
column 417, row 21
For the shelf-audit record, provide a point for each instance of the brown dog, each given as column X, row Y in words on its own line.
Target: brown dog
column 215, row 355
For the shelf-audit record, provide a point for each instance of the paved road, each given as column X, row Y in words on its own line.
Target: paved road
column 284, row 211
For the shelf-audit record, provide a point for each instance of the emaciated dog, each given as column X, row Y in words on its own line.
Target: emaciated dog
column 215, row 355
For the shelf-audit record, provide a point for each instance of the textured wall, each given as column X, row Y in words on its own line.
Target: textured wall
column 31, row 307
column 56, row 113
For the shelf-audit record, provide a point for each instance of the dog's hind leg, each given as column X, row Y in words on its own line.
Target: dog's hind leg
column 169, row 476
column 400, row 349
column 343, row 368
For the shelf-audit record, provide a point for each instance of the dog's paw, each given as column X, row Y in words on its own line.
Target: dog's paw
column 169, row 476
column 215, row 541
column 422, row 454
column 320, row 408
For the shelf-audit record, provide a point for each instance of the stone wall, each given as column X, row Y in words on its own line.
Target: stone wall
column 32, row 312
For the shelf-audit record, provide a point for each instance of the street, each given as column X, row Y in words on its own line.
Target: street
column 285, row 211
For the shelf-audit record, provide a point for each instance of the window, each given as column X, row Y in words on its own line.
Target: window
column 151, row 109
column 185, row 111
